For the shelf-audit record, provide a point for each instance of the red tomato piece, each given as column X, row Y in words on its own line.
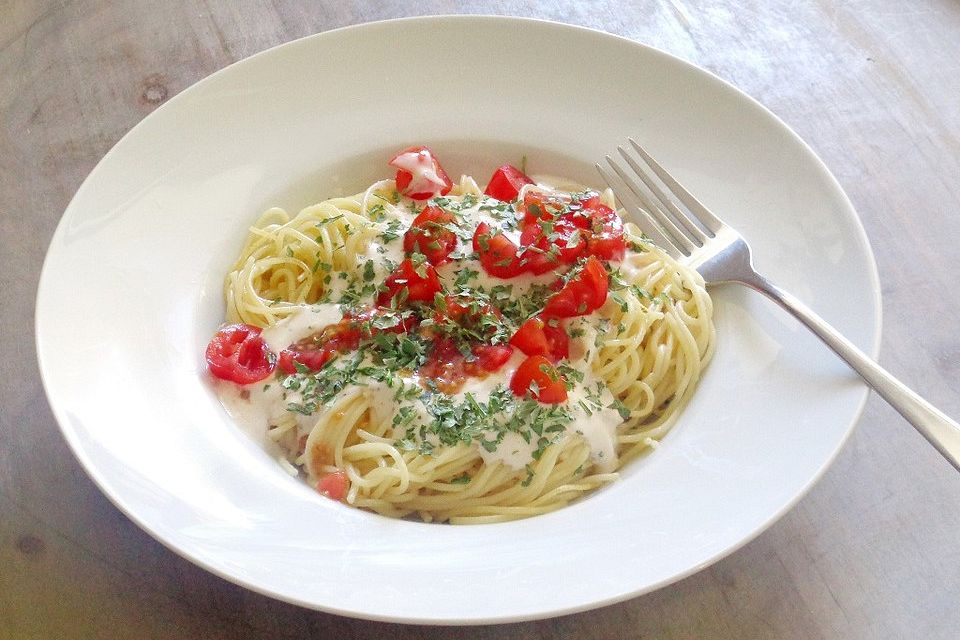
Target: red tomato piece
column 541, row 205
column 606, row 233
column 589, row 201
column 582, row 294
column 444, row 365
column 311, row 356
column 506, row 182
column 448, row 367
column 538, row 337
column 550, row 244
column 315, row 351
column 419, row 288
column 429, row 235
column 469, row 315
column 419, row 174
column 601, row 227
column 537, row 377
column 334, row 485
column 238, row 353
column 579, row 218
column 490, row 357
column 498, row 254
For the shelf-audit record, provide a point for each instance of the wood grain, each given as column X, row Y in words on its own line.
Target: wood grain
column 874, row 86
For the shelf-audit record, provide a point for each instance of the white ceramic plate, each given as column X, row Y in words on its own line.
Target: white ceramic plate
column 131, row 293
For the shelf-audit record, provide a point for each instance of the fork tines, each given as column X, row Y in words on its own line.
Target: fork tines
column 680, row 224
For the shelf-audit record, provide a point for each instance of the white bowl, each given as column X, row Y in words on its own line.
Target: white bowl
column 131, row 293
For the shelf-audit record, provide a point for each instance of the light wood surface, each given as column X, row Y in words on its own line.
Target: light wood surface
column 873, row 85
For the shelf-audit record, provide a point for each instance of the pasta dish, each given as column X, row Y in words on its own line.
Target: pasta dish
column 432, row 349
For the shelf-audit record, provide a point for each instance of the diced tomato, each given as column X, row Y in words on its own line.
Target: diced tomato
column 316, row 350
column 449, row 364
column 537, row 377
column 498, row 254
column 589, row 201
column 334, row 485
column 490, row 357
column 448, row 367
column 579, row 218
column 420, row 283
column 444, row 365
column 430, row 236
column 238, row 353
column 582, row 294
column 602, row 228
column 549, row 244
column 419, row 174
column 310, row 354
column 539, row 337
column 506, row 182
column 543, row 205
column 606, row 233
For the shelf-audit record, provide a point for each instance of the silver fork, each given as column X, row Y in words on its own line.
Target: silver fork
column 691, row 232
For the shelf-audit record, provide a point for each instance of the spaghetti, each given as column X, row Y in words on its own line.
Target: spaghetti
column 461, row 355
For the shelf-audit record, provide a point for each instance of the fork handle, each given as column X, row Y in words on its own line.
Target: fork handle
column 942, row 432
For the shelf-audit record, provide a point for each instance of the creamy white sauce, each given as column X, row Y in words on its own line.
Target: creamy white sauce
column 513, row 451
column 631, row 267
column 520, row 285
column 253, row 407
column 481, row 388
column 548, row 182
column 421, row 166
column 473, row 216
column 377, row 252
column 302, row 323
column 382, row 404
column 598, row 427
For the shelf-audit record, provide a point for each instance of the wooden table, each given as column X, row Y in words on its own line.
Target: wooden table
column 873, row 85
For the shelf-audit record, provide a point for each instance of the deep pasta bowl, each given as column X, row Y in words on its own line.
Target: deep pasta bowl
column 142, row 249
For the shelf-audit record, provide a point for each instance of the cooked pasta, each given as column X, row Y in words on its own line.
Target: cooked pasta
column 464, row 358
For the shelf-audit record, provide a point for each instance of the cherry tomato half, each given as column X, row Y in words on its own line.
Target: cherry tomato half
column 238, row 353
column 506, row 182
column 538, row 337
column 538, row 378
column 582, row 294
column 429, row 235
column 419, row 288
column 419, row 174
